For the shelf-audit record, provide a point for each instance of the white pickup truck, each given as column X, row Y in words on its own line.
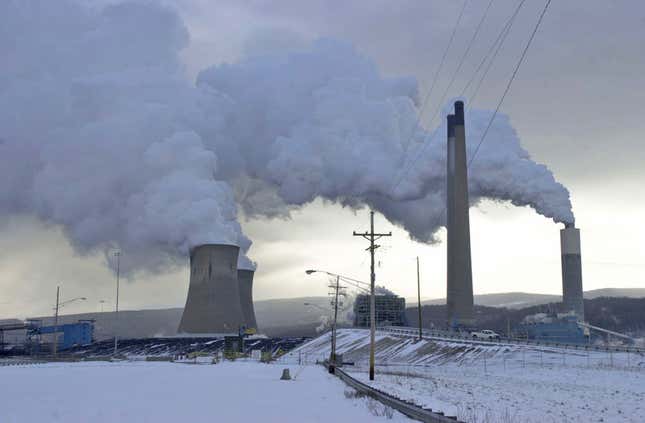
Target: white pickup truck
column 484, row 334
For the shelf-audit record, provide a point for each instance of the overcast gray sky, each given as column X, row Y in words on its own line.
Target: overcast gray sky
column 576, row 105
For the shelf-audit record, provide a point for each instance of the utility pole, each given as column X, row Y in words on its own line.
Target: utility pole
column 116, row 333
column 371, row 237
column 56, row 323
column 332, row 358
column 419, row 300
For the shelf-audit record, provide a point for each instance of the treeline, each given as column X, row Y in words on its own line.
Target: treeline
column 620, row 314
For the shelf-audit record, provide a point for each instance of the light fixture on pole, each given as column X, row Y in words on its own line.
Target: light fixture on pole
column 58, row 306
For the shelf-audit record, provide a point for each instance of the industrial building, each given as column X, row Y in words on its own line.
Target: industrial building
column 390, row 310
column 213, row 301
column 560, row 328
column 34, row 338
column 460, row 302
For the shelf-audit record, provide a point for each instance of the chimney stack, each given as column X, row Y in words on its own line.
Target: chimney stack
column 572, row 270
column 460, row 285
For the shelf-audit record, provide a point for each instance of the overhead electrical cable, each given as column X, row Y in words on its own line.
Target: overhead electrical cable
column 494, row 47
column 502, row 35
column 492, row 60
column 436, row 76
column 510, row 81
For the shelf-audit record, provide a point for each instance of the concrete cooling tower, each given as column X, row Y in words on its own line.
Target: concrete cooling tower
column 213, row 302
column 572, row 270
column 245, row 280
column 460, row 303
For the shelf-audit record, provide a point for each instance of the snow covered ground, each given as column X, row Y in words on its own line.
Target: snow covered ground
column 497, row 383
column 122, row 392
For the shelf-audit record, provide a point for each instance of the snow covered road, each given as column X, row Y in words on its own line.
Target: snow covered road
column 167, row 392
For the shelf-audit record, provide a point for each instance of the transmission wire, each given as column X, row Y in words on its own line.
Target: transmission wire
column 510, row 81
column 436, row 76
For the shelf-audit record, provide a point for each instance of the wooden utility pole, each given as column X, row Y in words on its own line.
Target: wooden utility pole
column 332, row 357
column 419, row 300
column 371, row 237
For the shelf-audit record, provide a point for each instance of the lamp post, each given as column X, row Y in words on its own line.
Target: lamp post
column 116, row 333
column 58, row 306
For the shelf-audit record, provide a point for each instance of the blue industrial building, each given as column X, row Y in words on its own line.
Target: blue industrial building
column 562, row 329
column 74, row 334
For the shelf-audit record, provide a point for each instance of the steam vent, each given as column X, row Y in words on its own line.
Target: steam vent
column 213, row 302
column 245, row 280
column 572, row 270
column 460, row 281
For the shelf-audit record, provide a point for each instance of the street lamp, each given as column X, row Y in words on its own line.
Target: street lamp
column 117, row 254
column 59, row 305
column 102, row 302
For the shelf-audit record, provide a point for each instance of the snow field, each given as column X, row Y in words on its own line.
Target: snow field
column 496, row 383
column 169, row 392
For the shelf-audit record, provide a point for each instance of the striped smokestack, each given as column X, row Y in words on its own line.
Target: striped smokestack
column 459, row 284
column 571, row 270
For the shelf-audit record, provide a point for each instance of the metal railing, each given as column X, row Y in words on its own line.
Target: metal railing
column 464, row 338
column 404, row 407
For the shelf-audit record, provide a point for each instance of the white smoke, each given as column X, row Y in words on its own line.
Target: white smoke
column 102, row 134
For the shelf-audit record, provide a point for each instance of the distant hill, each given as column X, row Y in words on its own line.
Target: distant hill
column 620, row 314
column 279, row 317
column 290, row 317
column 517, row 300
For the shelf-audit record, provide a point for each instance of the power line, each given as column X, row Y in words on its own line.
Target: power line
column 436, row 76
column 456, row 72
column 502, row 33
column 510, row 81
column 461, row 62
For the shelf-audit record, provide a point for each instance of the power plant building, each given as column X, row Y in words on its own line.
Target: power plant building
column 460, row 302
column 572, row 296
column 389, row 311
column 213, row 303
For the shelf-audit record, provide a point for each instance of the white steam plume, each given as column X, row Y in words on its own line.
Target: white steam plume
column 321, row 122
column 99, row 132
column 102, row 133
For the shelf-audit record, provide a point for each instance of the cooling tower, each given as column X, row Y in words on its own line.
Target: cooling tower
column 245, row 281
column 571, row 270
column 213, row 302
column 460, row 284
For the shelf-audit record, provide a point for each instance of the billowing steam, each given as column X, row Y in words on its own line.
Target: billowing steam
column 102, row 134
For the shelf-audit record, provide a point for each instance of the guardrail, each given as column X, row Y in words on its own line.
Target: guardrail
column 404, row 407
column 452, row 336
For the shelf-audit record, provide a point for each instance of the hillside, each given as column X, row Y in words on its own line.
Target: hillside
column 290, row 317
column 620, row 314
column 525, row 299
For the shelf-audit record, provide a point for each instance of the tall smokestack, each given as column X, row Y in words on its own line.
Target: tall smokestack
column 245, row 280
column 213, row 302
column 460, row 283
column 572, row 270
